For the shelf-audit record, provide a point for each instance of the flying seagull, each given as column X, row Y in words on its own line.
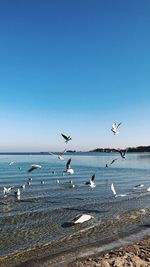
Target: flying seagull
column 91, row 182
column 11, row 163
column 34, row 167
column 114, row 191
column 7, row 190
column 67, row 138
column 122, row 153
column 60, row 155
column 69, row 170
column 114, row 127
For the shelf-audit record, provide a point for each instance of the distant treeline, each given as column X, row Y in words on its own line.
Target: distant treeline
column 129, row 149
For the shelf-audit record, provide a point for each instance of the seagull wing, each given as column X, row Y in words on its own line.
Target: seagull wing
column 55, row 155
column 34, row 166
column 64, row 136
column 93, row 177
column 51, row 153
column 113, row 161
column 113, row 189
column 119, row 124
column 114, row 127
column 68, row 164
column 119, row 151
column 63, row 152
column 31, row 169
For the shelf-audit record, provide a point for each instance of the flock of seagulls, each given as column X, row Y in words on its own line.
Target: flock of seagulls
column 69, row 170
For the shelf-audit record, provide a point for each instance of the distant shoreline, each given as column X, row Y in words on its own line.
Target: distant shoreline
column 129, row 149
column 106, row 150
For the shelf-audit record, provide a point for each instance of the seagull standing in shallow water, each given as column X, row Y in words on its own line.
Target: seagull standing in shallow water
column 114, row 127
column 67, row 138
column 91, row 182
column 69, row 170
column 138, row 186
column 148, row 189
column 17, row 194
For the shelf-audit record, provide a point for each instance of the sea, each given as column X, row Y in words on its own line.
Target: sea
column 36, row 226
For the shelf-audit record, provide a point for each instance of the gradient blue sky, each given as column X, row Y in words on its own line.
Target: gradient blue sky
column 74, row 66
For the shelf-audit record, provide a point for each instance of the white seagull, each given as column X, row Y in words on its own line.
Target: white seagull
column 138, row 186
column 17, row 194
column 114, row 127
column 114, row 192
column 91, row 182
column 67, row 138
column 59, row 156
column 81, row 218
column 148, row 189
column 34, row 167
column 7, row 190
column 69, row 170
column 23, row 186
column 11, row 163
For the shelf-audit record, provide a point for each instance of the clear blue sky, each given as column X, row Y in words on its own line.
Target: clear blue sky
column 74, row 66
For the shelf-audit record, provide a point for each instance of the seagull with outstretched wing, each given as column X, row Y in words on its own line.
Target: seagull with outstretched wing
column 114, row 192
column 34, row 167
column 69, row 169
column 91, row 182
column 67, row 138
column 115, row 127
column 59, row 156
column 7, row 190
column 122, row 153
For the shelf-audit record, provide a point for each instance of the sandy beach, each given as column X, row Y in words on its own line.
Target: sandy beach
column 133, row 255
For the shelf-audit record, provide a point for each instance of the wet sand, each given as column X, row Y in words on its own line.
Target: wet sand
column 136, row 254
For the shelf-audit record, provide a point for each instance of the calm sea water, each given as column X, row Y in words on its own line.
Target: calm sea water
column 41, row 215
